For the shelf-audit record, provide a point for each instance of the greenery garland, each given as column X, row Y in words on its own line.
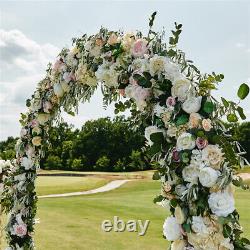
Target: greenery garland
column 166, row 94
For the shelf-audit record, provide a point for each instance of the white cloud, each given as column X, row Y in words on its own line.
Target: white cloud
column 23, row 63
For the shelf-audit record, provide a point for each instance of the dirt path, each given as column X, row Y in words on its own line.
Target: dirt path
column 108, row 187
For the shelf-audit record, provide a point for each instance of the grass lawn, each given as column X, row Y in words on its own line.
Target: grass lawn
column 64, row 184
column 75, row 223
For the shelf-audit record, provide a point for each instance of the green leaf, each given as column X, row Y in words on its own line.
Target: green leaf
column 157, row 137
column 183, row 119
column 158, row 198
column 232, row 118
column 225, row 102
column 208, row 107
column 154, row 149
column 186, row 227
column 241, row 113
column 173, row 203
column 243, row 91
column 156, row 176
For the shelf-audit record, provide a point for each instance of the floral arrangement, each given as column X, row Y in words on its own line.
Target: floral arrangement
column 166, row 93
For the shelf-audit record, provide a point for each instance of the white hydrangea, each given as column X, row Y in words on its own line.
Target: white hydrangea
column 185, row 141
column 208, row 176
column 191, row 173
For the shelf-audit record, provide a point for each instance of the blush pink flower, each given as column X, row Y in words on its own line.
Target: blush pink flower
column 201, row 143
column 170, row 102
column 139, row 48
column 58, row 65
column 34, row 123
column 20, row 229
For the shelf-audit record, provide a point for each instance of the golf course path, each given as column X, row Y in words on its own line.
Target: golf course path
column 108, row 187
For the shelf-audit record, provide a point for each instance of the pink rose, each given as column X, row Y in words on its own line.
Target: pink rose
column 175, row 155
column 34, row 123
column 47, row 106
column 170, row 102
column 20, row 229
column 69, row 76
column 201, row 143
column 139, row 48
column 132, row 80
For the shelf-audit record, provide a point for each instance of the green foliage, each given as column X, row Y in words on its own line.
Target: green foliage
column 243, row 91
column 53, row 162
column 102, row 163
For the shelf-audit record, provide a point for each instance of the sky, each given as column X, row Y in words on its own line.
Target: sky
column 216, row 36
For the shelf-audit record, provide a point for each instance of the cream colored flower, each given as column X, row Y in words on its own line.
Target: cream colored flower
column 113, row 39
column 192, row 104
column 128, row 40
column 172, row 131
column 36, row 141
column 190, row 173
column 206, row 124
column 157, row 65
column 178, row 245
column 42, row 118
column 179, row 215
column 212, row 155
column 194, row 120
column 180, row 89
column 171, row 229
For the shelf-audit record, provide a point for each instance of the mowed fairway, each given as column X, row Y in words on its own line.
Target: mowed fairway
column 75, row 223
column 66, row 184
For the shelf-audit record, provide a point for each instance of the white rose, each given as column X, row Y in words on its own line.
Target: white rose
column 192, row 104
column 171, row 229
column 190, row 173
column 213, row 156
column 185, row 141
column 27, row 163
column 23, row 132
column 221, row 203
column 157, row 64
column 42, row 118
column 180, row 89
column 179, row 215
column 178, row 245
column 35, row 104
column 58, row 89
column 151, row 130
column 208, row 176
column 198, row 225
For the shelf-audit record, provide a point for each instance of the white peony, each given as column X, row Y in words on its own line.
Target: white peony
column 58, row 89
column 171, row 229
column 157, row 64
column 27, row 163
column 221, row 203
column 212, row 155
column 208, row 176
column 198, row 226
column 185, row 141
column 191, row 173
column 172, row 72
column 151, row 130
column 180, row 89
column 192, row 104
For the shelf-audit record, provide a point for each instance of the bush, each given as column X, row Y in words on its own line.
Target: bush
column 53, row 162
column 102, row 164
column 77, row 164
column 120, row 166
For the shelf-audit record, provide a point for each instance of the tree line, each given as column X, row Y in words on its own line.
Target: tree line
column 102, row 145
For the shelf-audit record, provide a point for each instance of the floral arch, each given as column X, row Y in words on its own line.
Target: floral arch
column 167, row 94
